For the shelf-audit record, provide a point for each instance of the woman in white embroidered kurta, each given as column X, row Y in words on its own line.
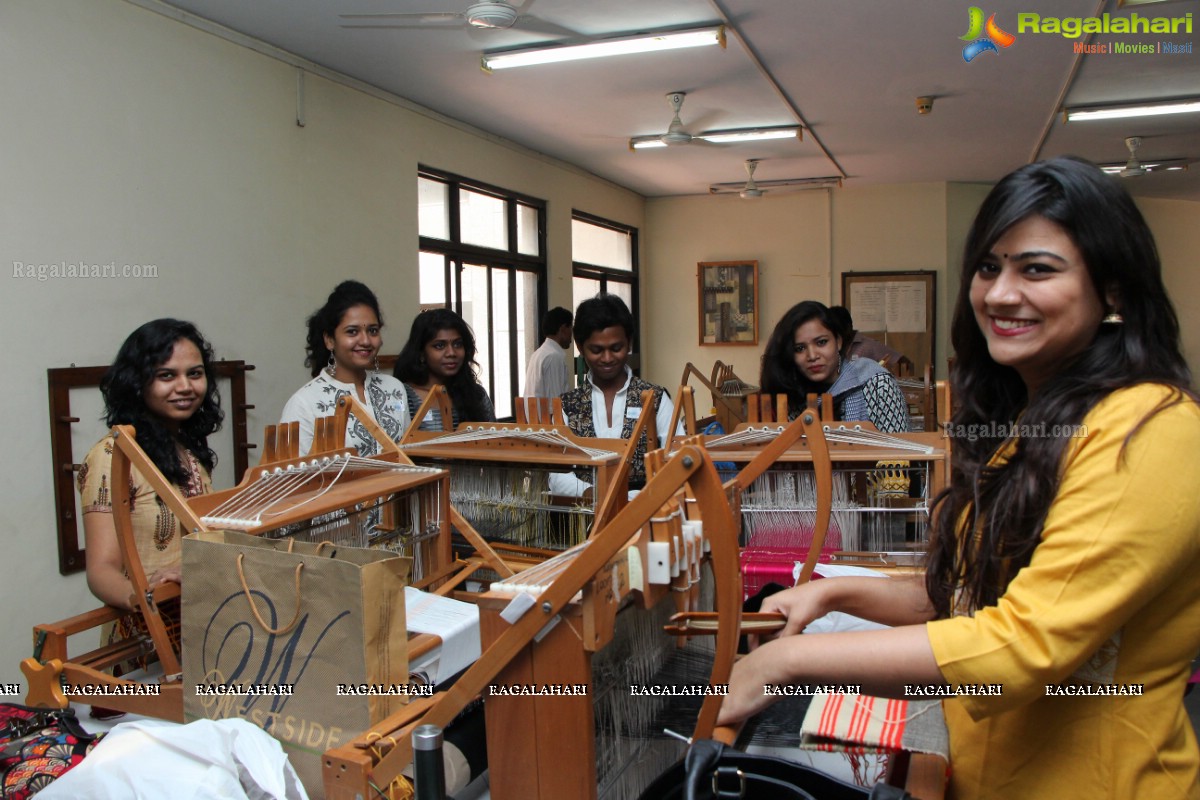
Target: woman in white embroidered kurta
column 344, row 337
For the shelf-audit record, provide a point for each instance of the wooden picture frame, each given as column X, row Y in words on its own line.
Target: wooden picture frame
column 728, row 294
column 896, row 308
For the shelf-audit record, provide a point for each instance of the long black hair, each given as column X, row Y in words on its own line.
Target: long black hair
column 466, row 394
column 779, row 374
column 146, row 349
column 1006, row 505
column 324, row 321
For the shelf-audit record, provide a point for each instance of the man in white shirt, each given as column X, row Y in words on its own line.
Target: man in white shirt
column 547, row 375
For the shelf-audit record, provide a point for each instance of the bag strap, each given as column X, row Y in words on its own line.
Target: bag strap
column 254, row 608
column 698, row 767
column 712, row 770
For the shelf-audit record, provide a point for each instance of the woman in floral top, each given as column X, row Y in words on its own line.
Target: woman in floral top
column 162, row 383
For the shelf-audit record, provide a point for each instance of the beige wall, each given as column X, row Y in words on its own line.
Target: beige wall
column 789, row 237
column 1176, row 226
column 803, row 242
column 133, row 139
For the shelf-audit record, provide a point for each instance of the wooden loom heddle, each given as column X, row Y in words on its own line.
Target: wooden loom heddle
column 872, row 473
column 492, row 448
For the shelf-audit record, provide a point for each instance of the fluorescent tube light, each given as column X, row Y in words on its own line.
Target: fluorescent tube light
column 1130, row 111
column 762, row 134
column 725, row 137
column 642, row 43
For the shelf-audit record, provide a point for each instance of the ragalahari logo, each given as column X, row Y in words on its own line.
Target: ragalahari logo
column 992, row 35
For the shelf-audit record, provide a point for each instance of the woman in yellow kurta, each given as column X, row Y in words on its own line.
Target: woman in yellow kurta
column 1064, row 560
column 162, row 383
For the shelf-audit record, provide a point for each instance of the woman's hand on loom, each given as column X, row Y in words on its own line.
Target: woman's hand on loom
column 747, row 685
column 165, row 575
column 800, row 604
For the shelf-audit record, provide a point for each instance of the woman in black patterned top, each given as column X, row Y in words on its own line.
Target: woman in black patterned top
column 804, row 356
column 441, row 351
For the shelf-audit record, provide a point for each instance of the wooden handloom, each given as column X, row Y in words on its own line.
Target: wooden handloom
column 541, row 444
column 356, row 487
column 551, row 756
column 803, row 441
column 729, row 392
column 545, row 747
column 873, row 472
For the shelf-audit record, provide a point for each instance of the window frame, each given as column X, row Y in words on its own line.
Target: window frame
column 456, row 255
column 631, row 276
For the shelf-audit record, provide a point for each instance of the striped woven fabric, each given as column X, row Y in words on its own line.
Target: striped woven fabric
column 858, row 723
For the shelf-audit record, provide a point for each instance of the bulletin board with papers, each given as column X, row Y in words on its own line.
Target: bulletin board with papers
column 896, row 308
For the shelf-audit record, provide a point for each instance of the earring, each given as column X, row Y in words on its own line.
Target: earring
column 332, row 364
column 1113, row 318
column 377, row 362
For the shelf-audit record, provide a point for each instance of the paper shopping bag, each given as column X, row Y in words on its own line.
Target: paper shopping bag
column 280, row 638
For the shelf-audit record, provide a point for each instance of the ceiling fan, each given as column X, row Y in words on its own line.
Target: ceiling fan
column 752, row 189
column 495, row 15
column 1136, row 168
column 676, row 135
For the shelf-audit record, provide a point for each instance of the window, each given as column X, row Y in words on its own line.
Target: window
column 604, row 259
column 483, row 255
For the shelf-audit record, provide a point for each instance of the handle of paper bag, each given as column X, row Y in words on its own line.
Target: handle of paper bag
column 254, row 608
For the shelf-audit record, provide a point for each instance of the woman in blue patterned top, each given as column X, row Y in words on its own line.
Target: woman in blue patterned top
column 804, row 356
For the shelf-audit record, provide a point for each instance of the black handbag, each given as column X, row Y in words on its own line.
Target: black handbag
column 712, row 771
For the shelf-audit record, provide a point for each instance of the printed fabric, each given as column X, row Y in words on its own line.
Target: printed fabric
column 36, row 747
column 577, row 405
column 866, row 391
column 385, row 402
column 155, row 529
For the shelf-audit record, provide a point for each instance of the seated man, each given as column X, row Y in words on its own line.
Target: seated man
column 609, row 402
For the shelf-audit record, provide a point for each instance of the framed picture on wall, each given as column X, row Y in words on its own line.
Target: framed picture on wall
column 728, row 302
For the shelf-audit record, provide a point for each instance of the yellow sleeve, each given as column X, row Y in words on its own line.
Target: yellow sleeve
column 1123, row 526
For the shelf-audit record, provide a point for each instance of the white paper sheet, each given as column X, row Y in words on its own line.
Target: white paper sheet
column 456, row 622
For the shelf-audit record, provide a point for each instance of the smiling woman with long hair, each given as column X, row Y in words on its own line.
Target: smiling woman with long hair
column 344, row 337
column 805, row 356
column 162, row 382
column 441, row 351
column 1064, row 555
